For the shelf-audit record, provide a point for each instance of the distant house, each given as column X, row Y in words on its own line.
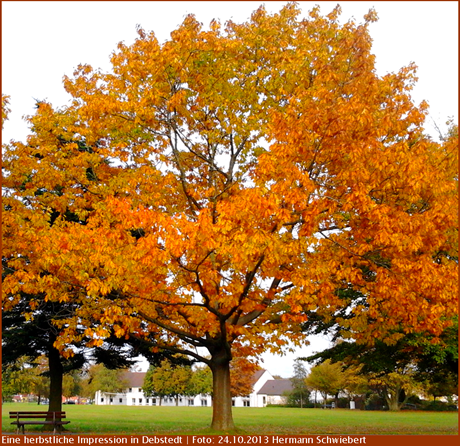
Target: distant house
column 263, row 393
column 274, row 391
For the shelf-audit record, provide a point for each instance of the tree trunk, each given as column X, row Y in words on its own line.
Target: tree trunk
column 222, row 417
column 392, row 399
column 393, row 405
column 56, row 374
column 324, row 395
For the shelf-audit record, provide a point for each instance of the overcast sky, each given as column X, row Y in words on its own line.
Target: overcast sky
column 43, row 41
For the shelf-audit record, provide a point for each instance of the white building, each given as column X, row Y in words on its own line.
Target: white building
column 266, row 390
column 274, row 391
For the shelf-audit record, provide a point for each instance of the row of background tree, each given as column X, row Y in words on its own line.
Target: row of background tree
column 340, row 383
column 343, row 381
column 28, row 376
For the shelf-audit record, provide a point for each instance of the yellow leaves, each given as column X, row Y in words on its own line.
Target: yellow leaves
column 214, row 25
column 371, row 16
column 5, row 109
column 95, row 342
column 176, row 103
column 97, row 287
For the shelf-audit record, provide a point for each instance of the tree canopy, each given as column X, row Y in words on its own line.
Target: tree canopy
column 229, row 181
column 328, row 378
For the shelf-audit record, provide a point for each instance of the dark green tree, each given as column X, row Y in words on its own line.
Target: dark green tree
column 33, row 334
column 31, row 328
column 434, row 360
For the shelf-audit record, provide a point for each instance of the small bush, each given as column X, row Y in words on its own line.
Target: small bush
column 374, row 402
column 343, row 403
column 439, row 406
column 414, row 399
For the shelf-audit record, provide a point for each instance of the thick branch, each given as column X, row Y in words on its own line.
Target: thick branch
column 207, row 160
column 172, row 349
column 248, row 318
column 186, row 337
column 249, row 279
column 207, row 299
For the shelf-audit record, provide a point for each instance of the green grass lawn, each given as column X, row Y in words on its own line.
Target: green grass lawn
column 127, row 420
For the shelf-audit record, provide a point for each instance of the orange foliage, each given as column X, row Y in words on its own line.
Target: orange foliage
column 213, row 188
column 5, row 108
column 242, row 372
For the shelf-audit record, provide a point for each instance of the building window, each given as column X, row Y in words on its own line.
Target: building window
column 120, row 400
column 102, row 400
column 191, row 402
column 246, row 403
column 154, row 401
column 264, row 400
column 204, row 402
column 233, row 401
column 130, row 389
column 146, row 401
column 134, row 401
column 140, row 401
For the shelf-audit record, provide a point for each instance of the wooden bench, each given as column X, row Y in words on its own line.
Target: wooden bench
column 54, row 419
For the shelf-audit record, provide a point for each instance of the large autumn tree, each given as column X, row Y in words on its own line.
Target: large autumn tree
column 245, row 173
